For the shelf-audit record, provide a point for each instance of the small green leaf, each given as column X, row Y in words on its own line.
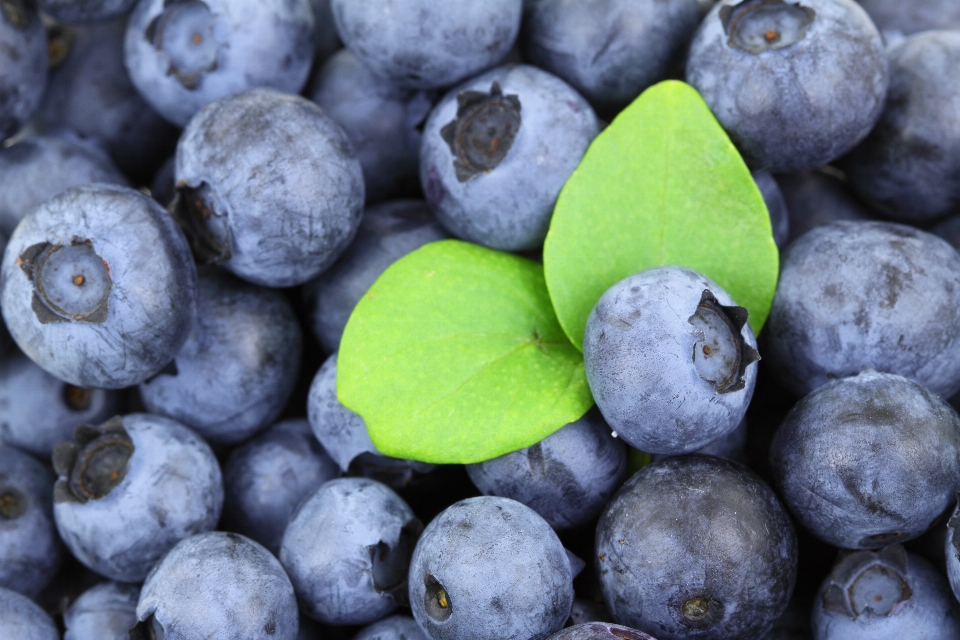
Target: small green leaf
column 661, row 185
column 455, row 356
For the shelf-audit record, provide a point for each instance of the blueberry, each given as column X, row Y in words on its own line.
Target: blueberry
column 776, row 206
column 668, row 358
column 288, row 201
column 36, row 169
column 876, row 294
column 814, row 198
column 599, row 631
column 608, row 50
column 490, row 567
column 423, row 44
column 85, row 11
column 269, row 476
column 900, row 18
column 909, row 167
column 383, row 121
column 393, row 628
column 21, row 619
column 107, row 611
column 952, row 552
column 584, row 611
column 81, row 300
column 884, row 595
column 347, row 550
column 218, row 585
column 759, row 65
column 387, row 232
column 90, row 92
column 731, row 446
column 497, row 150
column 30, row 551
column 238, row 367
column 23, row 64
column 868, row 460
column 37, row 411
column 344, row 435
column 696, row 547
column 567, row 477
column 185, row 54
column 132, row 488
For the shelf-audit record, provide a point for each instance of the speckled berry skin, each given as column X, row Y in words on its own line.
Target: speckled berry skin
column 424, row 45
column 696, row 546
column 237, row 369
column 608, row 50
column 237, row 591
column 509, row 205
column 267, row 478
column 387, row 232
column 499, row 567
column 908, row 168
column 868, row 460
column 397, row 627
column 347, row 550
column 567, row 477
column 30, row 550
column 150, row 304
column 288, row 201
column 107, row 611
column 600, row 631
column 926, row 608
column 874, row 294
column 22, row 619
column 637, row 350
column 172, row 489
column 35, row 169
column 85, row 11
column 23, row 65
column 244, row 44
column 37, row 411
column 780, row 109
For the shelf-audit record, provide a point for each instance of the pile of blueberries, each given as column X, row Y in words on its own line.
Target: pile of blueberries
column 194, row 195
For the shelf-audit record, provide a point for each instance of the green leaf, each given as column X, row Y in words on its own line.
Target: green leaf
column 455, row 356
column 661, row 185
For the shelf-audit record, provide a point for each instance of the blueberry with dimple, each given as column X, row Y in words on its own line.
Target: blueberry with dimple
column 814, row 198
column 80, row 297
column 908, row 168
column 184, row 54
column 22, row 619
column 237, row 369
column 497, row 150
column 759, row 65
column 90, row 92
column 107, row 611
column 37, row 411
column 344, row 434
column 868, row 460
column 266, row 479
column 85, row 11
column 490, row 567
column 132, row 488
column 425, row 45
column 30, row 550
column 397, row 627
column 383, row 121
column 875, row 294
column 23, row 64
column 670, row 360
column 288, row 201
column 696, row 547
column 599, row 631
column 884, row 595
column 567, row 477
column 347, row 550
column 608, row 50
column 387, row 232
column 218, row 585
column 35, row 169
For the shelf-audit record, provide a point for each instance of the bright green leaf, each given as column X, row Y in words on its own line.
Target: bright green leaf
column 455, row 356
column 661, row 185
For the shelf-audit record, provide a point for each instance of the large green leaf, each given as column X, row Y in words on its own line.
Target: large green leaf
column 661, row 185
column 455, row 356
